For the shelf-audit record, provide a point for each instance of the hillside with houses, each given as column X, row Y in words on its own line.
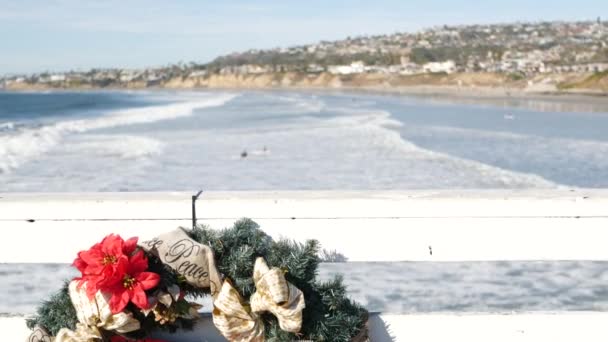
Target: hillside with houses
column 550, row 56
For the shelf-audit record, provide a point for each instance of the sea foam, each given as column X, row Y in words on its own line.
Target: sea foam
column 116, row 146
column 19, row 147
column 428, row 168
column 293, row 141
column 7, row 126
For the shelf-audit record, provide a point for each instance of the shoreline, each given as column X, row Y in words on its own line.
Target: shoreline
column 465, row 92
column 491, row 96
column 506, row 97
column 446, row 92
column 481, row 92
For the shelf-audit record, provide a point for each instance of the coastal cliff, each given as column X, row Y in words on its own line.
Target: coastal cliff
column 577, row 83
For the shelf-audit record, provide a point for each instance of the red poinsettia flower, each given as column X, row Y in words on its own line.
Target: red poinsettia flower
column 135, row 280
column 118, row 338
column 100, row 264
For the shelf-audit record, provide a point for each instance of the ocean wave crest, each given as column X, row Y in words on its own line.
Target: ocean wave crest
column 27, row 143
column 7, row 126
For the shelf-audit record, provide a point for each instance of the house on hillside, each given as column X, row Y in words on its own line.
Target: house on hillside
column 57, row 78
column 437, row 67
column 353, row 68
column 198, row 73
column 314, row 69
column 130, row 75
column 597, row 67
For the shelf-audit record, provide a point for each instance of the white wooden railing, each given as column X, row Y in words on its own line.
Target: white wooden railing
column 364, row 226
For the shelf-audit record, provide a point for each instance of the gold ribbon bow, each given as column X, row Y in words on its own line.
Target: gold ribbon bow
column 92, row 315
column 83, row 333
column 242, row 323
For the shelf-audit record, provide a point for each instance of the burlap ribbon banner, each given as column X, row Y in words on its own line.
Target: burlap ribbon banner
column 192, row 260
column 92, row 315
column 240, row 322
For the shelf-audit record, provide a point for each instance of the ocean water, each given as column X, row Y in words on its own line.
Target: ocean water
column 395, row 287
column 162, row 140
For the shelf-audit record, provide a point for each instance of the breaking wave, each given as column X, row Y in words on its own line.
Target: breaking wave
column 117, row 146
column 22, row 145
column 424, row 168
column 7, row 126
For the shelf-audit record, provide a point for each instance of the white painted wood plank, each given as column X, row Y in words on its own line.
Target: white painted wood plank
column 554, row 327
column 562, row 327
column 306, row 204
column 456, row 239
column 364, row 226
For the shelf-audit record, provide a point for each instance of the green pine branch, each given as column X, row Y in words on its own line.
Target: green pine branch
column 329, row 314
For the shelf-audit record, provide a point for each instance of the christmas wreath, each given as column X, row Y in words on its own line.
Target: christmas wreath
column 262, row 289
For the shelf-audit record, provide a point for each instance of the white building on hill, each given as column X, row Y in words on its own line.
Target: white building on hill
column 437, row 67
column 353, row 68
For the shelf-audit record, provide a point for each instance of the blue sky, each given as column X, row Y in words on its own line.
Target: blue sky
column 55, row 35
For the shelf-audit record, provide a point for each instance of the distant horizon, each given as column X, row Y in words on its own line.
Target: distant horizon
column 69, row 35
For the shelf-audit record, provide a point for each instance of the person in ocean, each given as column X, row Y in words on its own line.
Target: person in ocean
column 244, row 154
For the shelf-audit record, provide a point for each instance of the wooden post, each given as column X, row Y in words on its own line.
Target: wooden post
column 194, row 198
